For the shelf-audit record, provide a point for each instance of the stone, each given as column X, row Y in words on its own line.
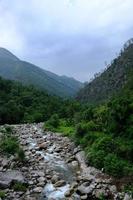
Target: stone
column 60, row 183
column 5, row 162
column 42, row 146
column 55, row 178
column 127, row 197
column 41, row 179
column 38, row 189
column 68, row 193
column 75, row 165
column 85, row 188
column 113, row 189
column 98, row 192
column 84, row 197
column 9, row 177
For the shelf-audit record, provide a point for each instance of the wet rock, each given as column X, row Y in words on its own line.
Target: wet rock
column 55, row 178
column 75, row 165
column 38, row 189
column 84, row 197
column 127, row 197
column 42, row 146
column 68, row 193
column 60, row 183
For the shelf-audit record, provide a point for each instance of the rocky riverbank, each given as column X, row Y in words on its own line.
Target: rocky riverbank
column 54, row 169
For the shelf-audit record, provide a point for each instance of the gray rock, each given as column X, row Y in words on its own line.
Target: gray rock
column 5, row 162
column 38, row 189
column 55, row 178
column 85, row 188
column 9, row 177
column 113, row 189
column 75, row 164
column 128, row 197
column 60, row 183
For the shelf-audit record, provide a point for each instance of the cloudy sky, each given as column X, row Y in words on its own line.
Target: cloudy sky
column 71, row 37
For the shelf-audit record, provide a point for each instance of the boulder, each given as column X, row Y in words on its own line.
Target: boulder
column 9, row 177
column 42, row 146
column 85, row 188
column 60, row 183
column 75, row 165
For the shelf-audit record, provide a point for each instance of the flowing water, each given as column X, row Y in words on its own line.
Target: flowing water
column 57, row 164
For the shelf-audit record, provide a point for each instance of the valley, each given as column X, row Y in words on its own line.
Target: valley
column 54, row 168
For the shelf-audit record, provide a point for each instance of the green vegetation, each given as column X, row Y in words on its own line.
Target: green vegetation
column 112, row 80
column 26, row 73
column 20, row 187
column 59, row 125
column 2, row 194
column 105, row 131
column 129, row 188
column 9, row 144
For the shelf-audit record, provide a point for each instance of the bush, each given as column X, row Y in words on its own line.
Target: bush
column 8, row 129
column 20, row 187
column 113, row 165
column 21, row 154
column 53, row 122
column 106, row 144
column 9, row 145
column 81, row 130
column 2, row 194
column 96, row 158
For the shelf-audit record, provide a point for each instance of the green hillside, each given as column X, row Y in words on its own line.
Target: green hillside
column 14, row 69
column 112, row 80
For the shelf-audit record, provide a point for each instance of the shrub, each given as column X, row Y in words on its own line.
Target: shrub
column 53, row 122
column 9, row 145
column 105, row 143
column 81, row 130
column 21, row 154
column 19, row 187
column 8, row 129
column 96, row 158
column 114, row 165
column 2, row 194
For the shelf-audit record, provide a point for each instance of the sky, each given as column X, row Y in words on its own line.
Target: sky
column 68, row 37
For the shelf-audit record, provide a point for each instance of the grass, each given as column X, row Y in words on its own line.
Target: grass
column 63, row 128
column 9, row 144
column 20, row 187
column 2, row 194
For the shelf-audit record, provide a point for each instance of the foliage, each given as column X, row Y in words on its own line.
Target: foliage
column 21, row 154
column 9, row 144
column 111, row 80
column 53, row 122
column 2, row 194
column 63, row 126
column 20, row 187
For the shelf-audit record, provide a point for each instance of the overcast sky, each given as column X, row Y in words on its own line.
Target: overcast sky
column 70, row 37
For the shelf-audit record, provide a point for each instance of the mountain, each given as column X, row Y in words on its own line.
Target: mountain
column 112, row 80
column 13, row 68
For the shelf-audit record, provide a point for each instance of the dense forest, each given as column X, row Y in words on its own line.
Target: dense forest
column 20, row 104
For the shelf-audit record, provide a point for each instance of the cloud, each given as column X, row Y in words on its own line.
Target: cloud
column 71, row 37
